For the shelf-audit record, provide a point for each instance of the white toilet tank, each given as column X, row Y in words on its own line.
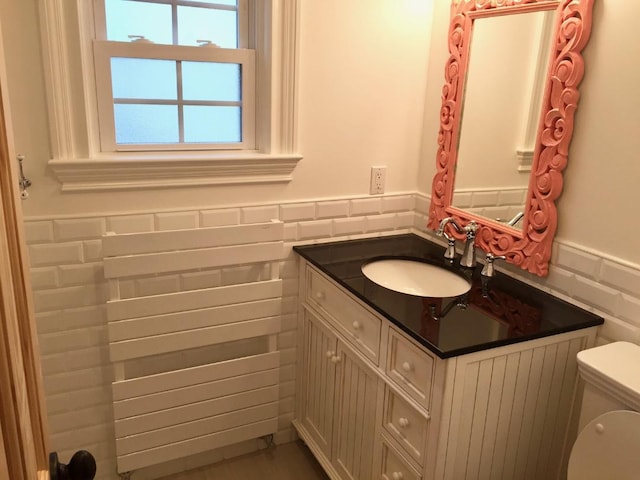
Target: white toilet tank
column 611, row 375
column 608, row 444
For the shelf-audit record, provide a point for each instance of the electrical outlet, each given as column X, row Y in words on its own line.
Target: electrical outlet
column 378, row 175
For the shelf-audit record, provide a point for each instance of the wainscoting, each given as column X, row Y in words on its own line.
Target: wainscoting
column 70, row 293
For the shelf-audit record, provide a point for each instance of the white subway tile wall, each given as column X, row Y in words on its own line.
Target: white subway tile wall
column 56, row 254
column 131, row 223
column 484, row 199
column 314, row 229
column 78, row 229
column 297, row 212
column 39, row 232
column 333, row 209
column 381, row 223
column 259, row 214
column 582, row 263
column 349, row 226
column 497, row 205
column 463, row 199
column 399, row 203
column 216, row 218
column 366, row 206
column 69, row 295
column 177, row 220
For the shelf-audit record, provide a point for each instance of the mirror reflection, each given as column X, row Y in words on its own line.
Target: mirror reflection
column 502, row 102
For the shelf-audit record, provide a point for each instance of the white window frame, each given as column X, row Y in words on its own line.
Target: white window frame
column 78, row 159
column 104, row 51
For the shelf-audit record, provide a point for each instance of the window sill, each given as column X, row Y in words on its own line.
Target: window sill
column 127, row 172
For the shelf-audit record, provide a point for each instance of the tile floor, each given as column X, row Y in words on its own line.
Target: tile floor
column 292, row 461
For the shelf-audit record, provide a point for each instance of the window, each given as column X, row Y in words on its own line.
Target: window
column 171, row 75
column 173, row 92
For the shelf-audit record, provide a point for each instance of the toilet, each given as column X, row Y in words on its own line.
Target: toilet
column 608, row 445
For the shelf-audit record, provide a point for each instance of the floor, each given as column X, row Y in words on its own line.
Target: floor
column 284, row 462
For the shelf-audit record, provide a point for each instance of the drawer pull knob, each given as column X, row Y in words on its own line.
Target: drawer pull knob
column 356, row 325
column 403, row 422
column 320, row 295
column 330, row 353
column 397, row 476
column 407, row 367
column 335, row 359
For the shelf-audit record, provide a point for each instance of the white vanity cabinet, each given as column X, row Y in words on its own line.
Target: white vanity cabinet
column 372, row 403
column 340, row 393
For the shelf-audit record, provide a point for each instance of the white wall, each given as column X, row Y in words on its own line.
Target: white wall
column 362, row 82
column 601, row 180
column 368, row 70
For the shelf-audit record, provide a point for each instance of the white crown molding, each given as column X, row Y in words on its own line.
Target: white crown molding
column 140, row 173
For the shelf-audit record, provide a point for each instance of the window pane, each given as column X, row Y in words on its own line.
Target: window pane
column 204, row 124
column 219, row 26
column 146, row 124
column 152, row 20
column 211, row 81
column 144, row 78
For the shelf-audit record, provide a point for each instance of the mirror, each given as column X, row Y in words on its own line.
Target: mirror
column 506, row 121
column 496, row 187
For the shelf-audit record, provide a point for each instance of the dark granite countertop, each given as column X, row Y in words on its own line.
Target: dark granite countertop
column 501, row 312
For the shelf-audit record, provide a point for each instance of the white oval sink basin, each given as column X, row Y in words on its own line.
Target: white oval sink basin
column 415, row 278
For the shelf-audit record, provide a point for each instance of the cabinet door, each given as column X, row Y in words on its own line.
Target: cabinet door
column 355, row 419
column 320, row 360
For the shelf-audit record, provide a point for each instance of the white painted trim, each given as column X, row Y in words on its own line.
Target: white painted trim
column 141, row 173
column 57, row 78
column 524, row 155
column 105, row 51
column 525, row 159
column 77, row 161
column 290, row 41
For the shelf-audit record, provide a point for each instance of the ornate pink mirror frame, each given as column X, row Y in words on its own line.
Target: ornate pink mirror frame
column 530, row 248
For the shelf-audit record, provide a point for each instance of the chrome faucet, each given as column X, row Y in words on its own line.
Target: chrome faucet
column 488, row 270
column 518, row 216
column 468, row 258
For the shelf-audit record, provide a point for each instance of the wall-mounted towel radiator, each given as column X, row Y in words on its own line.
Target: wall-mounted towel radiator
column 187, row 410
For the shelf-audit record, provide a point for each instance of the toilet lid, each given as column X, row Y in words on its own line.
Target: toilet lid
column 608, row 448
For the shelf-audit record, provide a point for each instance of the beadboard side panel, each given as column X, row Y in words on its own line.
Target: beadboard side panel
column 510, row 410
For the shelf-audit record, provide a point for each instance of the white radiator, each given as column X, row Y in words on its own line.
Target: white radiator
column 183, row 411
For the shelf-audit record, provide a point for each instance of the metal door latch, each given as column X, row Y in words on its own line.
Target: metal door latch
column 23, row 181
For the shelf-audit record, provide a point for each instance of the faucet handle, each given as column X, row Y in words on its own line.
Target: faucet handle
column 470, row 229
column 488, row 270
column 450, row 252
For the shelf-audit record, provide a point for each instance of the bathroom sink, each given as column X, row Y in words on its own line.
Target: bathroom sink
column 415, row 278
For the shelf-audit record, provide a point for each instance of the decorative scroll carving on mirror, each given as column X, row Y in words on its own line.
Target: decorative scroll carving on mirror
column 529, row 247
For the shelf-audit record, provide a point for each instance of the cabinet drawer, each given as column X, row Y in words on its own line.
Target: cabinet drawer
column 356, row 323
column 411, row 368
column 394, row 467
column 406, row 425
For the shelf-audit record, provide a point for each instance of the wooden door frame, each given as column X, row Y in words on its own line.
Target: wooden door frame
column 23, row 424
